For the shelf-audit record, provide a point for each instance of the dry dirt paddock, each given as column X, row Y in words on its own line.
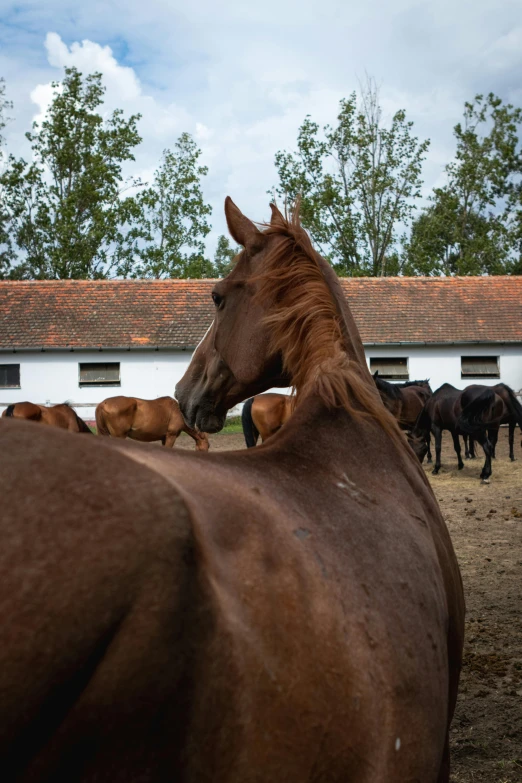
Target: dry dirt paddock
column 485, row 522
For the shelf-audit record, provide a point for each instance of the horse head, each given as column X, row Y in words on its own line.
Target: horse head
column 234, row 360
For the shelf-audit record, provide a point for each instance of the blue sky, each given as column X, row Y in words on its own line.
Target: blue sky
column 241, row 76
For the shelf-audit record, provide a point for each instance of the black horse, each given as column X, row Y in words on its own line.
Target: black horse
column 512, row 416
column 473, row 412
column 484, row 409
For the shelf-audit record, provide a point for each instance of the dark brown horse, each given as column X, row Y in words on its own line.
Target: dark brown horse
column 61, row 415
column 470, row 412
column 405, row 402
column 511, row 415
column 484, row 409
column 145, row 420
column 290, row 612
column 264, row 415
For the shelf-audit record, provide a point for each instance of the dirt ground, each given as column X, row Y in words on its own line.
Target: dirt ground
column 485, row 522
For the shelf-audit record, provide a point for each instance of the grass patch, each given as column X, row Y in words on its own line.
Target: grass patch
column 233, row 426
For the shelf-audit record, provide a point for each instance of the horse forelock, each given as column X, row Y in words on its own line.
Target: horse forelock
column 307, row 326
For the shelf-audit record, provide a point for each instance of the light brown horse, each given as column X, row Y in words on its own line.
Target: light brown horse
column 61, row 415
column 290, row 612
column 145, row 420
column 264, row 415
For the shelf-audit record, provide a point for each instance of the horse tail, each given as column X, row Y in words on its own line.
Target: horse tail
column 9, row 411
column 470, row 420
column 83, row 426
column 250, row 430
column 515, row 408
column 100, row 421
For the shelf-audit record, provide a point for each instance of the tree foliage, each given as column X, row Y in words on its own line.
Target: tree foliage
column 171, row 219
column 6, row 245
column 472, row 225
column 66, row 208
column 358, row 183
column 224, row 256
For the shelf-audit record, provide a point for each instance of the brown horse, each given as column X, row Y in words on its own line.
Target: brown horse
column 405, row 402
column 264, row 415
column 290, row 612
column 62, row 415
column 145, row 420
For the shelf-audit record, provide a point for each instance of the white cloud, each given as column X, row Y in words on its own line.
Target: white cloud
column 241, row 77
column 506, row 51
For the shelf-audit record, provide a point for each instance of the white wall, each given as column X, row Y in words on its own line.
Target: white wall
column 52, row 377
column 442, row 364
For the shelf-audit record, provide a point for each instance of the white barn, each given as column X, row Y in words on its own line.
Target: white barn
column 83, row 341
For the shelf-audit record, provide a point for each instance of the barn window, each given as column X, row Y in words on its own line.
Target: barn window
column 480, row 367
column 9, row 376
column 100, row 374
column 390, row 369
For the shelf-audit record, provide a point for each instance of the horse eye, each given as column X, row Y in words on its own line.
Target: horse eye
column 217, row 299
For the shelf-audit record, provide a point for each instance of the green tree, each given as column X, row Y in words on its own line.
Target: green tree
column 358, row 183
column 170, row 226
column 6, row 247
column 224, row 256
column 67, row 208
column 471, row 225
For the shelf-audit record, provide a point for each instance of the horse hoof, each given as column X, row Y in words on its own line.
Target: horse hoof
column 435, row 471
column 430, row 462
column 485, row 481
column 460, row 466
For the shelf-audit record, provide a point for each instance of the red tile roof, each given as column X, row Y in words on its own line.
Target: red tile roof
column 176, row 313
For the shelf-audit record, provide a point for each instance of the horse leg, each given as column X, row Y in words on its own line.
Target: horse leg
column 437, row 433
column 466, row 440
column 202, row 443
column 169, row 439
column 511, row 441
column 201, row 438
column 472, row 454
column 493, row 438
column 456, row 446
column 486, row 445
column 428, row 443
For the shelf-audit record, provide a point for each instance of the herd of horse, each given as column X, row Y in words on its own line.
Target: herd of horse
column 291, row 612
column 475, row 413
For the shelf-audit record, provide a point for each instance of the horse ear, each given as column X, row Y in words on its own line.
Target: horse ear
column 277, row 218
column 376, row 373
column 242, row 230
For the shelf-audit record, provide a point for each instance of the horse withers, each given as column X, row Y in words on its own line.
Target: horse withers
column 145, row 420
column 62, row 415
column 293, row 612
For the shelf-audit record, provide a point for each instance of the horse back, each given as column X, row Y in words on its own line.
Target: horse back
column 97, row 679
column 281, row 571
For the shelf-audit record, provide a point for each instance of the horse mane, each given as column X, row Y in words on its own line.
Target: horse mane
column 306, row 325
column 425, row 382
column 9, row 411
